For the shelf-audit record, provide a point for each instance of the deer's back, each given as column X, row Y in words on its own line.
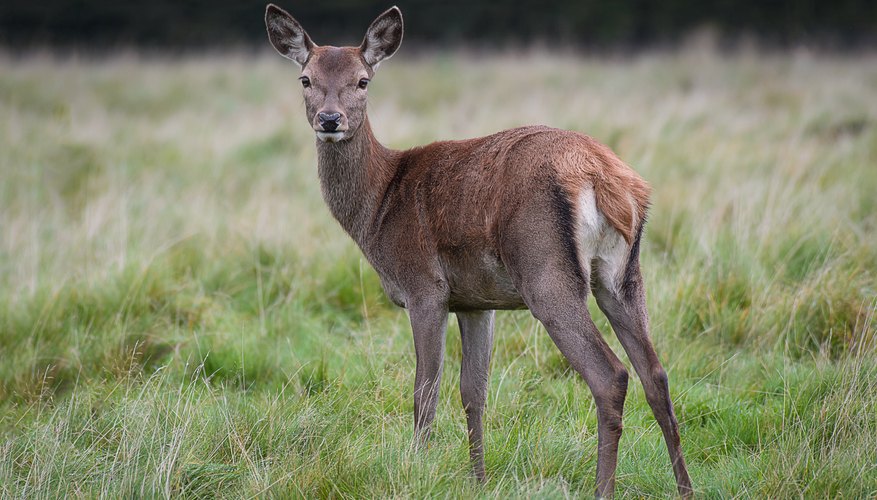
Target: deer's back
column 466, row 190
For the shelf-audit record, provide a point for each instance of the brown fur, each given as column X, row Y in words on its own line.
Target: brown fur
column 504, row 221
column 487, row 176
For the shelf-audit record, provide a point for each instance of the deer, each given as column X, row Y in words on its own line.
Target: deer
column 528, row 218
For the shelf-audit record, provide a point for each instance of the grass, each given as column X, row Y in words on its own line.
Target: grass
column 180, row 316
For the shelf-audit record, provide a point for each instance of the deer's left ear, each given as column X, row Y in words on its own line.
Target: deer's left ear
column 383, row 37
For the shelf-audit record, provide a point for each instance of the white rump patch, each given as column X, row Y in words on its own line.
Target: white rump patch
column 601, row 242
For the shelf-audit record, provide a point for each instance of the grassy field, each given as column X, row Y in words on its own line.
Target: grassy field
column 180, row 316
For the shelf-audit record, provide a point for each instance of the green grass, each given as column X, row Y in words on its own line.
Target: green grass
column 180, row 316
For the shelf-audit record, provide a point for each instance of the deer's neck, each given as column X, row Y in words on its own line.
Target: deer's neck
column 354, row 175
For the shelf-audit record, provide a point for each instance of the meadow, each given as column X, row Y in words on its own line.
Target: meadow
column 180, row 316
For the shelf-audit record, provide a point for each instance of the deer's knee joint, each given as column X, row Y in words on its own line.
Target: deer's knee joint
column 611, row 422
column 659, row 375
column 615, row 426
column 611, row 394
column 660, row 381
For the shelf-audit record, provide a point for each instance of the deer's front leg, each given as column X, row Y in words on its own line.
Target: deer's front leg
column 429, row 320
column 476, row 331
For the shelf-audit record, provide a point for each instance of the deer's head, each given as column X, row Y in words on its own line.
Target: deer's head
column 335, row 79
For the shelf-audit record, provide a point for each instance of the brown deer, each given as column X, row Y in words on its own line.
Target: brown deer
column 532, row 217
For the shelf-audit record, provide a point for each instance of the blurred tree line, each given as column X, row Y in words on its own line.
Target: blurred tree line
column 600, row 23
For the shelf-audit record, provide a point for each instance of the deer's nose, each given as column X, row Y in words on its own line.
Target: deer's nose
column 329, row 121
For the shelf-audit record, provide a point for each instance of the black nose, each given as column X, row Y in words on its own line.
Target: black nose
column 329, row 121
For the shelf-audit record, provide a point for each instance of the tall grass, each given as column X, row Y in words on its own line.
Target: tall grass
column 179, row 315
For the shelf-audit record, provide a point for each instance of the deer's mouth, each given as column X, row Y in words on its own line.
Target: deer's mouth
column 335, row 136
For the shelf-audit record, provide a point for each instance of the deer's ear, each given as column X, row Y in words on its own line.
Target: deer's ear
column 383, row 37
column 287, row 36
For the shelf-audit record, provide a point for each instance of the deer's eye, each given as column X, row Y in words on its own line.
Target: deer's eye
column 363, row 83
column 305, row 81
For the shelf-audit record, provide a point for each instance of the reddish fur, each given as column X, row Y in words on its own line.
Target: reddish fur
column 472, row 187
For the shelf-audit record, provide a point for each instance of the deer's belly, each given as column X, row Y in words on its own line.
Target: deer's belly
column 479, row 282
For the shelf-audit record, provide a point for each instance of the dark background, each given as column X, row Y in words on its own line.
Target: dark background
column 199, row 24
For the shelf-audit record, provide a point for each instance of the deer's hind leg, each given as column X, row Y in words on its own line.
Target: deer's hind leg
column 620, row 294
column 554, row 285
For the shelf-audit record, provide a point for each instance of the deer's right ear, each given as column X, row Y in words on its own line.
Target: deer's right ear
column 287, row 36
